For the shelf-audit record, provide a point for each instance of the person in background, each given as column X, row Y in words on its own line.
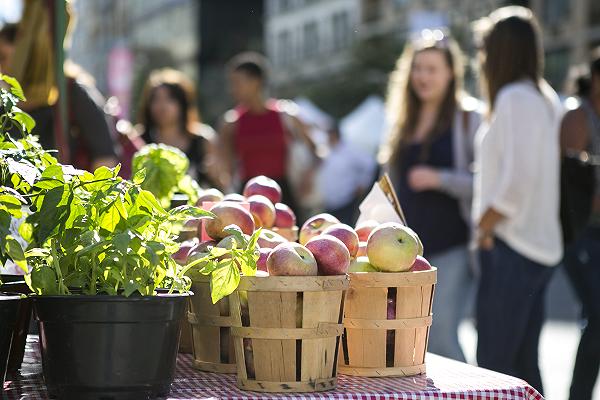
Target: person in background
column 428, row 158
column 343, row 177
column 256, row 135
column 168, row 115
column 580, row 133
column 516, row 195
column 26, row 52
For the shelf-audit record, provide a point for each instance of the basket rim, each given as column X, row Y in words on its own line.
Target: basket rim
column 393, row 279
column 294, row 283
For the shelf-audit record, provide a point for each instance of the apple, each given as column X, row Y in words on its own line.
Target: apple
column 270, row 239
column 291, row 259
column 391, row 308
column 420, row 244
column 206, row 246
column 290, row 234
column 212, row 195
column 420, row 264
column 261, row 274
column 181, row 255
column 362, row 249
column 315, row 225
column 346, row 234
column 264, row 186
column 261, row 263
column 392, row 247
column 333, row 258
column 361, row 264
column 235, row 197
column 284, row 216
column 364, row 229
column 262, row 210
column 228, row 213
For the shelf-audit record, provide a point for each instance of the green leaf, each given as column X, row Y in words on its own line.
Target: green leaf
column 26, row 231
column 139, row 176
column 147, row 200
column 15, row 252
column 224, row 280
column 15, row 86
column 110, row 219
column 26, row 121
column 54, row 172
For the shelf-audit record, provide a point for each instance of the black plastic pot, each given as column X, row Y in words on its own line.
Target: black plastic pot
column 9, row 304
column 109, row 347
column 21, row 327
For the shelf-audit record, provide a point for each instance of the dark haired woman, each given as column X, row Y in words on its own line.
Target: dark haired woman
column 580, row 134
column 168, row 115
column 428, row 157
column 257, row 133
column 516, row 196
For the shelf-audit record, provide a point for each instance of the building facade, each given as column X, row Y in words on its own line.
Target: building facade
column 119, row 42
column 303, row 42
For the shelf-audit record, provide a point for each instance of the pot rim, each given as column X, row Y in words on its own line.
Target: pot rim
column 106, row 297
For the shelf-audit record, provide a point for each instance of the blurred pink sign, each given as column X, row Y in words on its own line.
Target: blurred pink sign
column 120, row 76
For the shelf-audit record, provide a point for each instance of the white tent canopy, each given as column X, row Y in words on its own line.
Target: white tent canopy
column 364, row 127
column 312, row 115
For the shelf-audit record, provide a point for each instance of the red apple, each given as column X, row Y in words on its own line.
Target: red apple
column 291, row 259
column 212, row 194
column 362, row 249
column 270, row 239
column 284, row 216
column 265, row 186
column 228, row 213
column 235, row 197
column 181, row 255
column 420, row 264
column 290, row 234
column 316, row 225
column 392, row 248
column 331, row 254
column 364, row 229
column 261, row 263
column 391, row 308
column 262, row 210
column 346, row 234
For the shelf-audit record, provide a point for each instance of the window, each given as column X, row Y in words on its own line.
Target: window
column 341, row 31
column 557, row 64
column 284, row 48
column 594, row 12
column 556, row 11
column 310, row 39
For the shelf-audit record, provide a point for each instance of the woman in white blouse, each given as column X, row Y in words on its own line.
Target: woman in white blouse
column 516, row 195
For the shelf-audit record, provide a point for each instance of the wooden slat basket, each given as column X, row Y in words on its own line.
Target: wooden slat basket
column 380, row 339
column 287, row 332
column 212, row 344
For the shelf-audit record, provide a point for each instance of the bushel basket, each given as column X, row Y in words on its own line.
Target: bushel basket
column 287, row 332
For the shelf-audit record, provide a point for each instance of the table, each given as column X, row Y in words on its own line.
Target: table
column 445, row 379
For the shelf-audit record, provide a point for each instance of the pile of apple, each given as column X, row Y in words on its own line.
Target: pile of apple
column 326, row 246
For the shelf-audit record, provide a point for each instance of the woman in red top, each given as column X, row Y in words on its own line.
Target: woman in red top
column 255, row 136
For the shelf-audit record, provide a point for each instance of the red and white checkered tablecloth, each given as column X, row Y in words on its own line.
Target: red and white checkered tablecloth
column 445, row 379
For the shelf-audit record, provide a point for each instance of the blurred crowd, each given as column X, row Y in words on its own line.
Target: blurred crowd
column 500, row 191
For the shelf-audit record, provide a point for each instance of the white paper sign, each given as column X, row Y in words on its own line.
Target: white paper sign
column 376, row 206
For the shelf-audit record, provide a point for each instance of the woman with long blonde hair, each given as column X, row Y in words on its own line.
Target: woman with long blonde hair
column 428, row 156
